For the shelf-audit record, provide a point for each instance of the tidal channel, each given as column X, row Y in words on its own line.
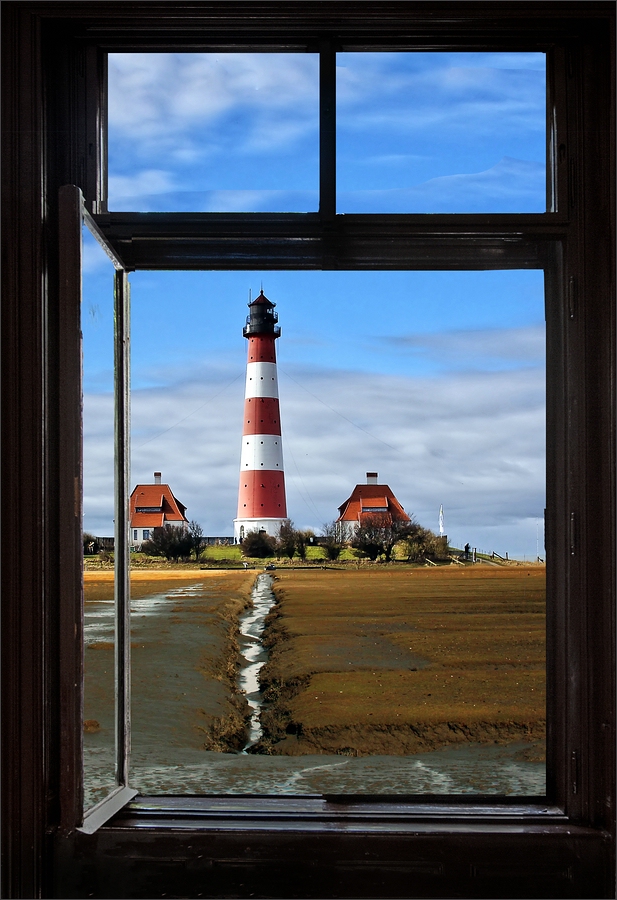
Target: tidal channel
column 252, row 649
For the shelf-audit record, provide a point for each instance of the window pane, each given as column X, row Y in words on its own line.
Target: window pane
column 425, row 674
column 441, row 132
column 98, row 523
column 213, row 132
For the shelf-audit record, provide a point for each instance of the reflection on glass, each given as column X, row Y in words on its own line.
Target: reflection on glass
column 213, row 132
column 441, row 132
column 422, row 675
column 97, row 322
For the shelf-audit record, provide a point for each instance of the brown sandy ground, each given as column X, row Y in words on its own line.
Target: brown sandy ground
column 184, row 664
column 401, row 661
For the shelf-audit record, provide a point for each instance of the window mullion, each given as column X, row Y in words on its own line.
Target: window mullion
column 327, row 131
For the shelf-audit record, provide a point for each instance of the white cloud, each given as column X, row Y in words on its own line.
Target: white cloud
column 243, row 201
column 495, row 349
column 162, row 96
column 474, row 442
column 511, row 185
column 380, row 93
column 93, row 257
column 143, row 183
column 151, row 200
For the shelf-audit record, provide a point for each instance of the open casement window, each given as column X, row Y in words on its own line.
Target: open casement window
column 304, row 846
column 75, row 224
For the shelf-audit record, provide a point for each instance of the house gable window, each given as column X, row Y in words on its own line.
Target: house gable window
column 310, row 846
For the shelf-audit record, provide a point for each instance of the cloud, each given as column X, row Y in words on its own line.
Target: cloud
column 492, row 349
column 212, row 201
column 142, row 184
column 163, row 97
column 472, row 441
column 93, row 257
column 412, row 93
column 512, row 185
column 98, row 455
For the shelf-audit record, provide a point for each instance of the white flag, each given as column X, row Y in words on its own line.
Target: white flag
column 441, row 519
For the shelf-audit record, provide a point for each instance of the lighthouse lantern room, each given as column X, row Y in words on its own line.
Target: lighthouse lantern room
column 261, row 496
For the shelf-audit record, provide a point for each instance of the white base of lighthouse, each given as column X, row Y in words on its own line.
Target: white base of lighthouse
column 270, row 526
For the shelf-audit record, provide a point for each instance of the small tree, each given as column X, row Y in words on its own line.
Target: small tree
column 368, row 538
column 258, row 544
column 303, row 539
column 196, row 534
column 395, row 532
column 286, row 542
column 414, row 546
column 435, row 546
column 379, row 534
column 332, row 540
column 425, row 544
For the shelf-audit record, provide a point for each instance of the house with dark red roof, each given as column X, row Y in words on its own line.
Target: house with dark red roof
column 153, row 506
column 372, row 500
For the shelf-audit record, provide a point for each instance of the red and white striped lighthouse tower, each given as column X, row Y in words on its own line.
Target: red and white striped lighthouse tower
column 261, row 497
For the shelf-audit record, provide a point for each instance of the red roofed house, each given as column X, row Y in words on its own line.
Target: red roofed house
column 370, row 499
column 152, row 506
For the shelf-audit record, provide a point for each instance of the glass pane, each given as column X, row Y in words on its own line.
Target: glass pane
column 98, row 524
column 441, row 132
column 213, row 132
column 424, row 674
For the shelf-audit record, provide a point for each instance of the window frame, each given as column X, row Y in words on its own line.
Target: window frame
column 437, row 848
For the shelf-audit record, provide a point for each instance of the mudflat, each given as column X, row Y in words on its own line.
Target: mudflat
column 401, row 661
column 184, row 627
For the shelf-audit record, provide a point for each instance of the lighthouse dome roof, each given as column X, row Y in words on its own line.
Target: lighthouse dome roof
column 262, row 300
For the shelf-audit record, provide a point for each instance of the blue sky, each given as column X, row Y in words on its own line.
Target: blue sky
column 433, row 379
column 441, row 132
column 417, row 132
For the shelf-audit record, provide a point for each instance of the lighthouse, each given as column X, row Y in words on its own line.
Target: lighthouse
column 261, row 495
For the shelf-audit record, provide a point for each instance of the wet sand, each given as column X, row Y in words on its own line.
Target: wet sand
column 184, row 629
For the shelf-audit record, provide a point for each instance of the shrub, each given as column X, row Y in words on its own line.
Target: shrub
column 258, row 544
column 170, row 542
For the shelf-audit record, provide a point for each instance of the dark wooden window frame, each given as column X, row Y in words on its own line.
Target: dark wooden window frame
column 54, row 75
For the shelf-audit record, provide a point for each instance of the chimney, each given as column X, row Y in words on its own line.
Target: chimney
column 371, row 477
column 157, row 477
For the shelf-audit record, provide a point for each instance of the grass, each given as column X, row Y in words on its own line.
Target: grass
column 223, row 552
column 234, row 553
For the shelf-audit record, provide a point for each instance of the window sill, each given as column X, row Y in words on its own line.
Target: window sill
column 339, row 814
column 308, row 847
